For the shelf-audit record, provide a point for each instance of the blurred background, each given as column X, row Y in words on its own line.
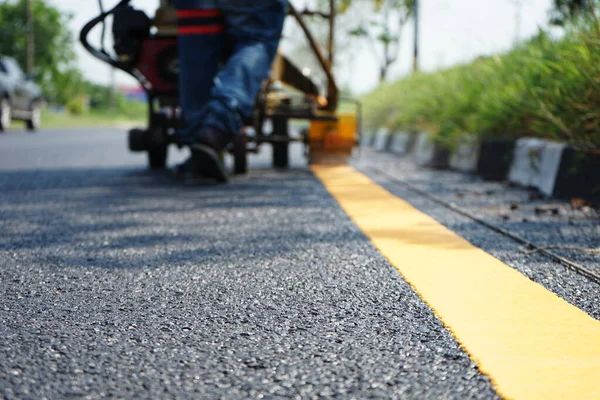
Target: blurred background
column 491, row 67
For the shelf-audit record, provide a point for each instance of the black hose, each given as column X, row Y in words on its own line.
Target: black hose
column 85, row 31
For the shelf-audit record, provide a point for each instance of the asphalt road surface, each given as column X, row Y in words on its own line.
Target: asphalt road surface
column 119, row 282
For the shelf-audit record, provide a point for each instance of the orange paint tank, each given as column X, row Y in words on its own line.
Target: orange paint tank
column 331, row 142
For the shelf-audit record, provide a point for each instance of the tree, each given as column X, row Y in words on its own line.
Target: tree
column 564, row 10
column 54, row 52
column 383, row 31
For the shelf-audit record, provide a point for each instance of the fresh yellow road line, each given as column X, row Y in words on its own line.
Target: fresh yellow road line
column 531, row 343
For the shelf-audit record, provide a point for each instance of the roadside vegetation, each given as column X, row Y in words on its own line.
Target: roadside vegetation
column 86, row 110
column 72, row 100
column 546, row 87
column 105, row 119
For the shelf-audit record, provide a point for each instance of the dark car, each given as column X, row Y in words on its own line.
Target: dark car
column 20, row 97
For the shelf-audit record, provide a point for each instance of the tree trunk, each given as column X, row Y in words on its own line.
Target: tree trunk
column 383, row 73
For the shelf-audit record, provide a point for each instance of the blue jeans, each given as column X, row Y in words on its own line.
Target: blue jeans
column 226, row 48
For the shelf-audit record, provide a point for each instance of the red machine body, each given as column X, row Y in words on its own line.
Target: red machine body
column 159, row 64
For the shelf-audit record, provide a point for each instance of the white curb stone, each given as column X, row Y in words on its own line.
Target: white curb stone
column 536, row 163
column 429, row 153
column 401, row 142
column 466, row 155
column 550, row 165
column 381, row 139
column 366, row 139
column 424, row 148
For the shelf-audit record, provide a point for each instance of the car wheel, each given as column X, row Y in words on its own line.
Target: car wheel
column 35, row 119
column 5, row 114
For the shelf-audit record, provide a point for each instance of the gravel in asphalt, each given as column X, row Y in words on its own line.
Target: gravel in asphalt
column 117, row 282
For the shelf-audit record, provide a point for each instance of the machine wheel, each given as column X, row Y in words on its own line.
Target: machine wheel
column 157, row 157
column 5, row 114
column 240, row 154
column 158, row 147
column 136, row 140
column 280, row 148
column 35, row 119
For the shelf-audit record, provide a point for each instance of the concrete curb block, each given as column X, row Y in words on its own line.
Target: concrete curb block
column 466, row 156
column 578, row 175
column 366, row 139
column 381, row 139
column 536, row 163
column 428, row 153
column 402, row 142
column 495, row 159
column 554, row 169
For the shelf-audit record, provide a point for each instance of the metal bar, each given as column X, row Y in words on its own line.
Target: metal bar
column 330, row 44
column 300, row 115
column 283, row 70
column 274, row 139
column 332, row 95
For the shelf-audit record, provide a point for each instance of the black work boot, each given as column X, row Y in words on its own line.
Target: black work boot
column 208, row 144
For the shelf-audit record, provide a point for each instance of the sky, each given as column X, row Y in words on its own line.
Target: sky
column 451, row 32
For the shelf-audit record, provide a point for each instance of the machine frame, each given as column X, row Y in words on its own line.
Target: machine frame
column 164, row 112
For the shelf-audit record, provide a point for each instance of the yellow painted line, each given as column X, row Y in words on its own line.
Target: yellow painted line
column 531, row 343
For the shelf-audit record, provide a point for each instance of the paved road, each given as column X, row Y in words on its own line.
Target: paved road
column 118, row 282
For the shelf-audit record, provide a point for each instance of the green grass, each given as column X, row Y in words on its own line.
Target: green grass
column 545, row 88
column 104, row 119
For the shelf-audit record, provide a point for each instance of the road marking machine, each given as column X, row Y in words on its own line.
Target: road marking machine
column 146, row 48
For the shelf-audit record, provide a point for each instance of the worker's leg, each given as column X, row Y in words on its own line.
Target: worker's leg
column 255, row 27
column 201, row 38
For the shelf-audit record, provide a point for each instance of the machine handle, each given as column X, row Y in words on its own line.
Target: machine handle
column 85, row 31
